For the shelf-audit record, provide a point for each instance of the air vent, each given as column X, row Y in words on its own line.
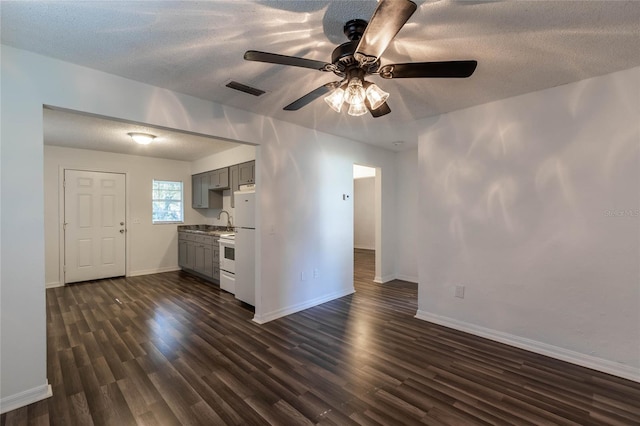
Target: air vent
column 244, row 88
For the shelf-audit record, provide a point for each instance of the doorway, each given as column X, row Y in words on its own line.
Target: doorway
column 367, row 193
column 94, row 225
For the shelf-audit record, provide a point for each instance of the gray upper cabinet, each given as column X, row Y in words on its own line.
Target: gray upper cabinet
column 207, row 187
column 219, row 179
column 234, row 183
column 202, row 198
column 247, row 173
column 197, row 190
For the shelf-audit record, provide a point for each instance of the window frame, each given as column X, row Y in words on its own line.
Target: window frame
column 154, row 200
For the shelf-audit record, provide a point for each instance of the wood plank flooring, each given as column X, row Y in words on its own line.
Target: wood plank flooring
column 169, row 349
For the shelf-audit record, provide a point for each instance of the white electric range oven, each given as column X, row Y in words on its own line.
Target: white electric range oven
column 227, row 262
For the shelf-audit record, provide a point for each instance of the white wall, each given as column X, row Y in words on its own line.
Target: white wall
column 407, row 223
column 364, row 217
column 515, row 204
column 237, row 155
column 150, row 248
column 303, row 223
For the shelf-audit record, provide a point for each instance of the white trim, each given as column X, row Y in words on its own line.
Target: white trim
column 408, row 278
column 385, row 279
column 18, row 400
column 55, row 284
column 552, row 351
column 270, row 316
column 364, row 248
column 153, row 271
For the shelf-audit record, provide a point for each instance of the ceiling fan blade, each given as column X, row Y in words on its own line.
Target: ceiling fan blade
column 388, row 18
column 380, row 111
column 312, row 96
column 273, row 58
column 449, row 69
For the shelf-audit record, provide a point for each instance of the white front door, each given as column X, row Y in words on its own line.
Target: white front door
column 94, row 216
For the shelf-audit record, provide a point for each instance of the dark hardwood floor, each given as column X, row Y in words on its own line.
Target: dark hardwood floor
column 168, row 349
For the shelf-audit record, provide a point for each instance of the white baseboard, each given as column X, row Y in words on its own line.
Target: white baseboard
column 552, row 351
column 27, row 397
column 407, row 278
column 153, row 271
column 279, row 313
column 385, row 279
column 364, row 247
column 130, row 274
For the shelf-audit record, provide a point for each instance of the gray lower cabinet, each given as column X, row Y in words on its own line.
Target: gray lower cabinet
column 216, row 260
column 186, row 254
column 199, row 254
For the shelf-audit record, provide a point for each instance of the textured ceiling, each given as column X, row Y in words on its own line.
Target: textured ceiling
column 73, row 130
column 197, row 47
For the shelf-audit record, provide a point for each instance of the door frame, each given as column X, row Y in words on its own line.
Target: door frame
column 61, row 231
column 378, row 219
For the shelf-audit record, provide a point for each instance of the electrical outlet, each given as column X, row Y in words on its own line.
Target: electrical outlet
column 316, row 273
column 460, row 291
column 136, row 220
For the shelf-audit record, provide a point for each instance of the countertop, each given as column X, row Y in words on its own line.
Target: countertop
column 205, row 229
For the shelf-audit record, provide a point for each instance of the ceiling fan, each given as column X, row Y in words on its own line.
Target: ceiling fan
column 360, row 57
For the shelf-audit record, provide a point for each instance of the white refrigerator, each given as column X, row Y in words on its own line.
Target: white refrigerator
column 245, row 250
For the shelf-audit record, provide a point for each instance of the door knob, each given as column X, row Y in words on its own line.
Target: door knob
column 121, row 223
column 122, row 231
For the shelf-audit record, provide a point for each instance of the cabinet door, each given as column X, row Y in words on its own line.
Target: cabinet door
column 191, row 255
column 220, row 179
column 182, row 253
column 199, row 258
column 223, row 178
column 234, row 182
column 208, row 261
column 216, row 273
column 204, row 190
column 246, row 172
column 196, row 191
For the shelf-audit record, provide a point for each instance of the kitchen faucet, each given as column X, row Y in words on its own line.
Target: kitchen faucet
column 229, row 224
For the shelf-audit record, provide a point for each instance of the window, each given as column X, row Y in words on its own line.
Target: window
column 167, row 201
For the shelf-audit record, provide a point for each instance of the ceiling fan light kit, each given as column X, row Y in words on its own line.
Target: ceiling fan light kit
column 376, row 96
column 360, row 57
column 335, row 99
column 356, row 96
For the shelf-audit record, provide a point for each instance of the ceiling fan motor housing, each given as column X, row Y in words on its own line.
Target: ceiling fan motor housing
column 342, row 56
column 354, row 29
